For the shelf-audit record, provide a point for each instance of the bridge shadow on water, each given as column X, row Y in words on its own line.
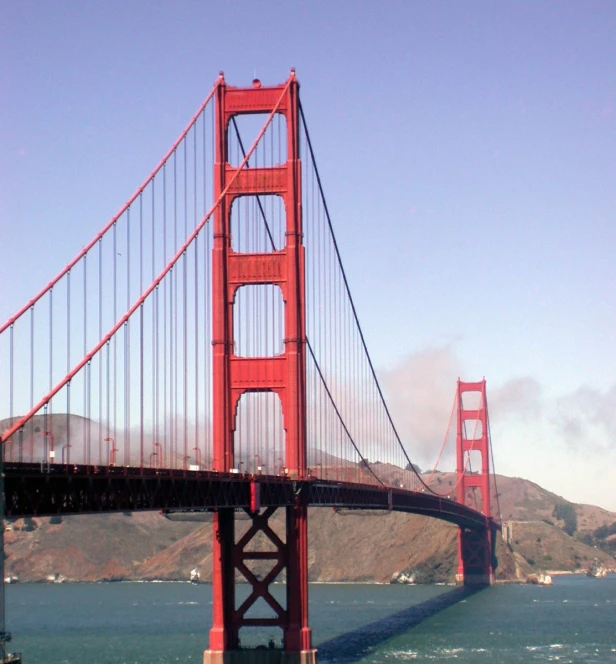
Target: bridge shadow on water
column 354, row 646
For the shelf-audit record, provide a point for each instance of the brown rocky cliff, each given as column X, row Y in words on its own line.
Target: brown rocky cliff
column 344, row 546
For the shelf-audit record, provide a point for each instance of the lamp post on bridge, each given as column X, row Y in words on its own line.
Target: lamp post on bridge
column 154, row 454
column 259, row 464
column 111, row 450
column 52, row 451
column 161, row 459
column 197, row 456
column 65, row 447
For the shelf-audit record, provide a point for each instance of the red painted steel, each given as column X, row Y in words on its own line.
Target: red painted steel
column 474, row 545
column 285, row 375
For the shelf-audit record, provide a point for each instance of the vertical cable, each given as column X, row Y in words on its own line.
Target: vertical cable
column 11, row 376
column 46, row 458
column 100, row 354
column 108, row 400
column 86, row 454
column 50, row 384
column 166, row 286
column 68, row 363
column 141, row 386
column 196, row 341
column 156, row 383
column 206, row 303
column 115, row 336
column 127, row 386
column 88, row 406
column 31, row 425
column 196, row 303
column 141, row 335
column 127, row 393
column 206, row 295
column 184, row 317
column 174, row 319
column 68, row 423
column 155, row 395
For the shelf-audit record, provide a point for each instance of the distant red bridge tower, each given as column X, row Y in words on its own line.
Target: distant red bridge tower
column 283, row 374
column 475, row 546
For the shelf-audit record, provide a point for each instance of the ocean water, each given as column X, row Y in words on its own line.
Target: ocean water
column 148, row 623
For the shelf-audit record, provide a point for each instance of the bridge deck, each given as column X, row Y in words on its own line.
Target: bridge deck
column 35, row 490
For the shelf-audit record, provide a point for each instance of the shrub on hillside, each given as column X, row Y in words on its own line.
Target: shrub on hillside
column 566, row 512
column 603, row 532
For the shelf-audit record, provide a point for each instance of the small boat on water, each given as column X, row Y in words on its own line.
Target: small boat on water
column 11, row 578
column 194, row 576
column 596, row 570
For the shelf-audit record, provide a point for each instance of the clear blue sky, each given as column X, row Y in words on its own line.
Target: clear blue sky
column 468, row 152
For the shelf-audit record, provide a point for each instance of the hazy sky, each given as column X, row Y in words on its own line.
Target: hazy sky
column 468, row 153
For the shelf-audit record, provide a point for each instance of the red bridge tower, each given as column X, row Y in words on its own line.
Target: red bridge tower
column 283, row 374
column 475, row 546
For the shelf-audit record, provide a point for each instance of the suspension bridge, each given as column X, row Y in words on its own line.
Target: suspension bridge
column 204, row 352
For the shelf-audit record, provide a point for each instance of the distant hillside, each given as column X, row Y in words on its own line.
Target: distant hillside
column 344, row 545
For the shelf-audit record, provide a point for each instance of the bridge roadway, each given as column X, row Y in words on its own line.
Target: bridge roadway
column 47, row 490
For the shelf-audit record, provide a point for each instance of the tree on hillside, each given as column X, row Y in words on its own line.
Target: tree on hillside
column 603, row 532
column 566, row 512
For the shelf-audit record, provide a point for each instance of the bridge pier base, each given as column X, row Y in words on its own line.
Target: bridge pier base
column 253, row 656
column 258, row 545
column 259, row 657
column 476, row 559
